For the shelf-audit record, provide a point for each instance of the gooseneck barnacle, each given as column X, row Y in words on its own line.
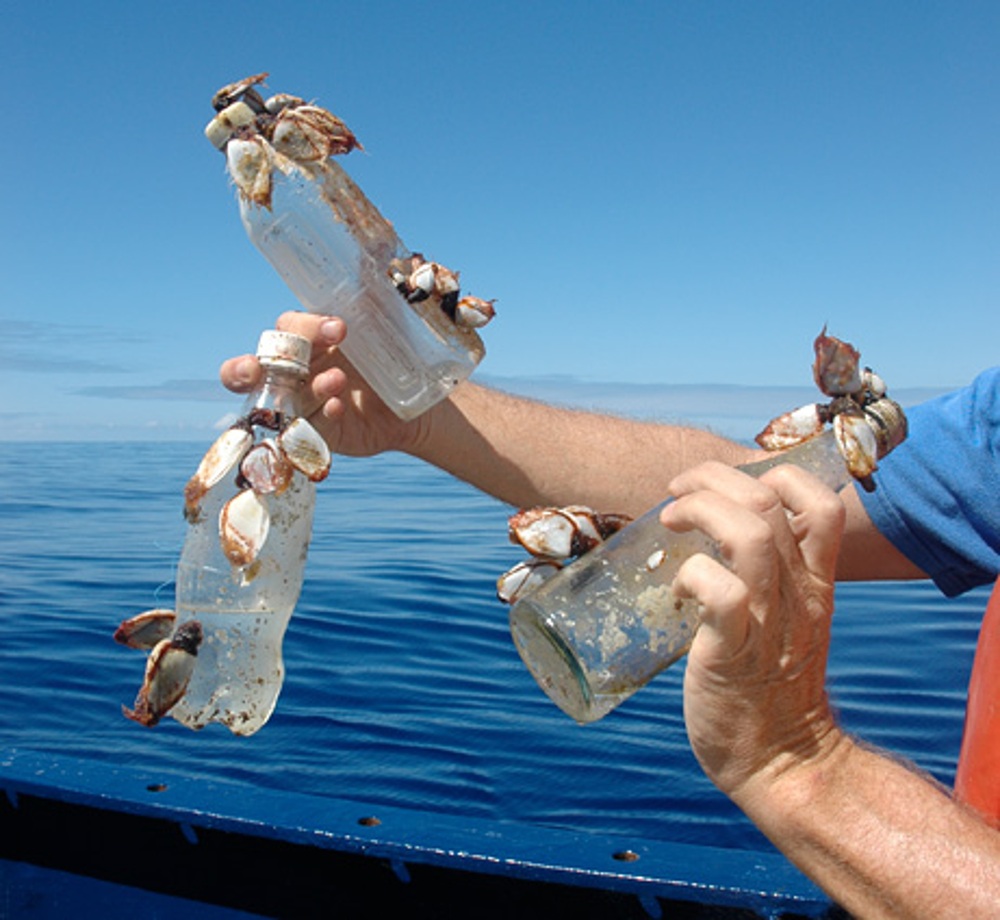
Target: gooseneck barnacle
column 866, row 424
column 284, row 132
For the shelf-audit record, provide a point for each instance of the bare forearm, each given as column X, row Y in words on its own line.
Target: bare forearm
column 528, row 453
column 882, row 840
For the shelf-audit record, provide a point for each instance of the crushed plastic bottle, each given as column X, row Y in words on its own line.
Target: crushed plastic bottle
column 217, row 657
column 410, row 334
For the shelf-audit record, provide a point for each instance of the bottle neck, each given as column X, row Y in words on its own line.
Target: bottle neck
column 819, row 455
column 850, row 450
column 278, row 394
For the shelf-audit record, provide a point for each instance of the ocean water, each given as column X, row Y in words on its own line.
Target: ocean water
column 403, row 687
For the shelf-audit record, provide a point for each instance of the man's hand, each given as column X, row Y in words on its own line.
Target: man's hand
column 339, row 403
column 754, row 696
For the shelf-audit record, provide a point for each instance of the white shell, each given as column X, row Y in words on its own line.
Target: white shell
column 791, row 428
column 244, row 523
column 656, row 559
column 423, row 277
column 266, row 468
column 445, row 280
column 280, row 101
column 474, row 312
column 872, row 382
column 223, row 456
column 298, row 139
column 145, row 630
column 250, row 163
column 858, row 444
column 524, row 578
column 555, row 533
column 228, row 449
column 168, row 672
column 305, row 449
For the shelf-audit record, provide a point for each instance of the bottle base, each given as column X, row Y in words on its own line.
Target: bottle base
column 556, row 669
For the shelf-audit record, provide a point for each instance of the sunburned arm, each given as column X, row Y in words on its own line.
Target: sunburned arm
column 881, row 839
column 886, row 840
column 866, row 555
column 528, row 453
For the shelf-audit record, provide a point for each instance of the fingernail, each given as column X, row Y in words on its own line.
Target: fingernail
column 332, row 330
column 246, row 370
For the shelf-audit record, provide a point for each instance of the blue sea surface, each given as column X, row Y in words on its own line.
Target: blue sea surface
column 403, row 687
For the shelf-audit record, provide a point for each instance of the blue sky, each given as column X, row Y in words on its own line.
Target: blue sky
column 659, row 194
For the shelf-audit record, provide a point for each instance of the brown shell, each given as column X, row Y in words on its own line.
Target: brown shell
column 146, row 630
column 168, row 673
column 836, row 369
column 219, row 459
column 305, row 449
column 244, row 523
column 266, row 469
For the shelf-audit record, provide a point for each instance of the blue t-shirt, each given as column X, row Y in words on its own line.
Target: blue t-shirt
column 937, row 495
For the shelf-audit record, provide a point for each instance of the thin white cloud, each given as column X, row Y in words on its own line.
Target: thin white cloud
column 168, row 390
column 35, row 347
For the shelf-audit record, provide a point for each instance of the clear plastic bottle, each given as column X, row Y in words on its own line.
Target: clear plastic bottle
column 604, row 626
column 245, row 609
column 334, row 250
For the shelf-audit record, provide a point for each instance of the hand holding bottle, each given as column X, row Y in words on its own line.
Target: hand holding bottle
column 754, row 687
column 336, row 399
column 595, row 630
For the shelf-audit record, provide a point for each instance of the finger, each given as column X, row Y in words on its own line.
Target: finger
column 325, row 332
column 240, row 374
column 724, row 602
column 755, row 494
column 329, row 389
column 816, row 515
column 745, row 538
column 746, row 490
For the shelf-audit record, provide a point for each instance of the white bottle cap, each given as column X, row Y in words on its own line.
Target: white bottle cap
column 232, row 117
column 285, row 350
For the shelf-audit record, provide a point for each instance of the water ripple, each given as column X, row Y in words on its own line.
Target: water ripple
column 403, row 686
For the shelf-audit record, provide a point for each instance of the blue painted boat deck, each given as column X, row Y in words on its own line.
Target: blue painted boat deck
column 84, row 839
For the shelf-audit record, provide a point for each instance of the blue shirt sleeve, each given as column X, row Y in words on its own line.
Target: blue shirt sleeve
column 937, row 496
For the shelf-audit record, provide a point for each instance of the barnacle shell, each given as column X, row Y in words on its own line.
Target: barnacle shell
column 835, row 369
column 421, row 282
column 558, row 533
column 524, row 578
column 872, row 383
column 792, row 428
column 147, row 629
column 445, row 280
column 219, row 459
column 857, row 442
column 655, row 559
column 307, row 133
column 232, row 91
column 305, row 449
column 553, row 533
column 266, row 469
column 474, row 312
column 280, row 101
column 168, row 672
column 230, row 120
column 250, row 163
column 244, row 523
